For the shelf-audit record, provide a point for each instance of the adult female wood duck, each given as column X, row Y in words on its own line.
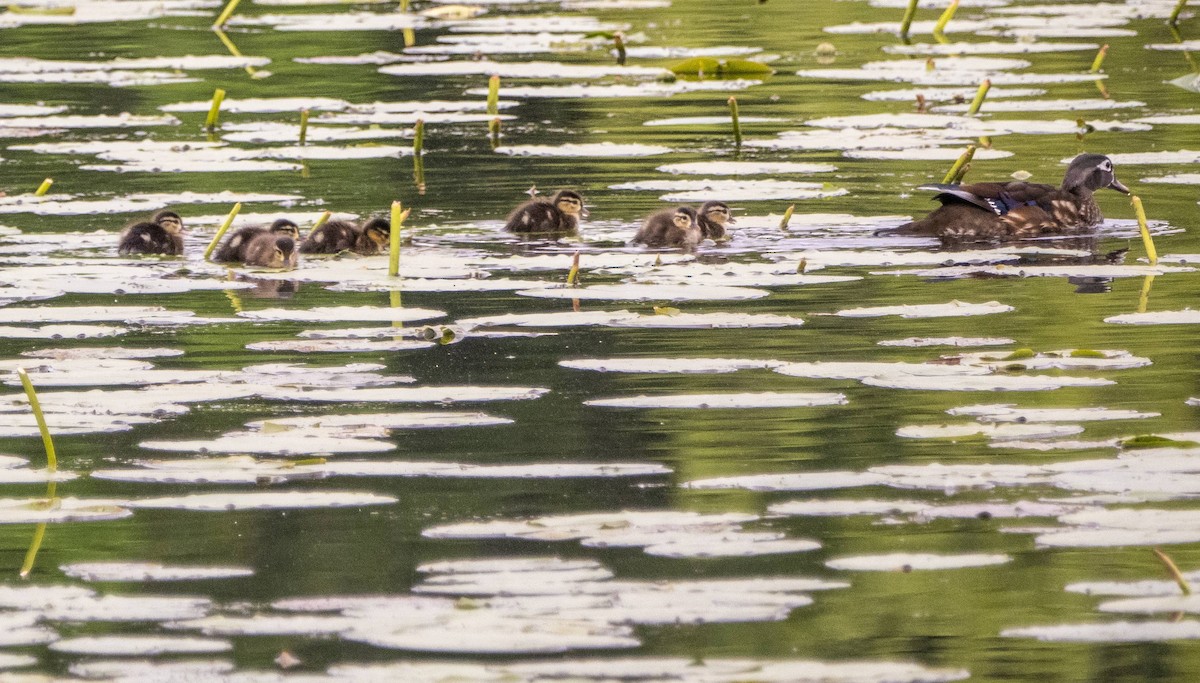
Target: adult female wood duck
column 712, row 219
column 551, row 218
column 270, row 250
column 162, row 234
column 670, row 228
column 235, row 248
column 1015, row 210
column 369, row 238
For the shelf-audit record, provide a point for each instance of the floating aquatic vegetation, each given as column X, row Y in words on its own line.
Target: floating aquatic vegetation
column 1003, row 270
column 1114, row 632
column 572, row 23
column 952, row 309
column 733, row 190
column 863, row 370
column 845, row 508
column 98, row 121
column 339, row 345
column 936, row 94
column 585, row 150
column 71, row 314
column 918, row 342
column 989, row 48
column 348, row 425
column 798, row 481
column 668, row 533
column 140, row 646
column 1184, row 317
column 344, row 21
column 543, row 70
column 649, row 89
column 1063, row 360
column 149, row 571
column 56, row 205
column 58, row 510
column 1170, row 604
column 97, row 352
column 270, row 131
column 438, row 394
column 1001, row 431
column 724, row 401
column 708, row 121
column 261, row 500
column 1008, row 412
column 296, row 443
column 986, row 383
column 923, row 154
column 61, row 332
column 344, row 313
column 563, row 319
column 668, row 365
column 740, row 168
column 260, row 105
column 646, row 292
column 914, row 562
column 1046, row 105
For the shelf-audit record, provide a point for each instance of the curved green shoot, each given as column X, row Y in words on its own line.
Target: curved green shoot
column 215, row 110
column 980, row 96
column 1099, row 60
column 1147, row 240
column 226, row 13
column 787, row 217
column 939, row 30
column 36, row 407
column 44, row 187
column 906, row 22
column 1174, row 572
column 963, row 160
column 212, row 246
column 1174, row 19
column 573, row 274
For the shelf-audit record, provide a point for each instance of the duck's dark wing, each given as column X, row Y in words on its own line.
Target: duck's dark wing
column 995, row 198
column 330, row 238
column 234, row 249
column 146, row 238
column 534, row 217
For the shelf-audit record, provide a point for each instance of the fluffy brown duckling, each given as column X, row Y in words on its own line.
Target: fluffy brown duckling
column 234, row 249
column 1016, row 210
column 554, row 217
column 712, row 219
column 670, row 228
column 371, row 237
column 162, row 234
column 270, row 250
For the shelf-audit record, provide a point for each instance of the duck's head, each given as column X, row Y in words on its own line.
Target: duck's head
column 570, row 203
column 285, row 228
column 685, row 218
column 717, row 212
column 1094, row 172
column 379, row 231
column 282, row 254
column 169, row 221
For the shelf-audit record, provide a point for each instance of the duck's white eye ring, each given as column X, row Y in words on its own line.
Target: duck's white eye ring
column 1106, row 165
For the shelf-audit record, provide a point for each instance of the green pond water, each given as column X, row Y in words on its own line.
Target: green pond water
column 947, row 620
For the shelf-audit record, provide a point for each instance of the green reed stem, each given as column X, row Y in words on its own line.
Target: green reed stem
column 940, row 28
column 394, row 240
column 619, row 44
column 980, row 96
column 787, row 217
column 573, row 274
column 905, row 23
column 215, row 109
column 1173, row 570
column 31, row 555
column 36, row 407
column 44, row 187
column 1147, row 240
column 226, row 13
column 1174, row 19
column 212, row 246
column 303, row 127
column 494, row 131
column 737, row 125
column 493, row 96
column 320, row 221
column 963, row 160
column 1099, row 60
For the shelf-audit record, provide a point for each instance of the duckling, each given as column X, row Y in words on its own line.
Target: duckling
column 234, row 248
column 670, row 228
column 556, row 217
column 712, row 218
column 335, row 236
column 162, row 234
column 270, row 250
column 1015, row 210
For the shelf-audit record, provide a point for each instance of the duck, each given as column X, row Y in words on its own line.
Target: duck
column 557, row 216
column 162, row 234
column 1017, row 209
column 369, row 238
column 675, row 227
column 234, row 249
column 270, row 250
column 712, row 218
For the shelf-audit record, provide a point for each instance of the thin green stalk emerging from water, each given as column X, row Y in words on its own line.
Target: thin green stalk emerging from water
column 1175, row 13
column 215, row 110
column 1147, row 240
column 51, row 465
column 320, row 221
column 303, row 126
column 1099, row 60
column 737, row 126
column 493, row 96
column 1173, row 571
column 939, row 30
column 44, row 187
column 226, row 13
column 963, row 160
column 212, row 246
column 980, row 96
column 394, row 240
column 418, row 160
column 905, row 23
column 787, row 217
